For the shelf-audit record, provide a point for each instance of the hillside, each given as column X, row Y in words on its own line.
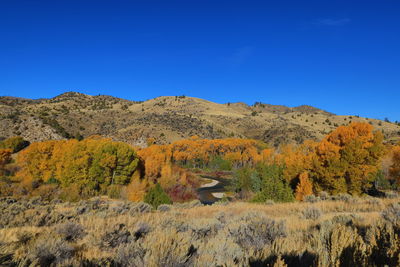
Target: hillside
column 167, row 119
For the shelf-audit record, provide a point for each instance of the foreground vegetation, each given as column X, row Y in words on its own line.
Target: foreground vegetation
column 298, row 205
column 339, row 231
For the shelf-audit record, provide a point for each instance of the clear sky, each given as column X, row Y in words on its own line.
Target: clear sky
column 339, row 55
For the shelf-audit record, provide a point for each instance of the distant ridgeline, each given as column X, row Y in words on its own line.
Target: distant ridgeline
column 167, row 119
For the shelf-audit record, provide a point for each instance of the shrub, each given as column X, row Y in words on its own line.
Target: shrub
column 140, row 207
column 70, row 231
column 269, row 202
column 392, row 213
column 324, row 195
column 311, row 199
column 255, row 231
column 164, row 207
column 50, row 251
column 169, row 249
column 343, row 197
column 374, row 201
column 131, row 254
column 391, row 194
column 116, row 236
column 157, row 196
column 311, row 213
column 140, row 230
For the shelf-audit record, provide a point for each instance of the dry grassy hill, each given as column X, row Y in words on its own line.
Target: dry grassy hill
column 167, row 119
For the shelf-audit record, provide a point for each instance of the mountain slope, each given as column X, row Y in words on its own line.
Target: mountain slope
column 167, row 119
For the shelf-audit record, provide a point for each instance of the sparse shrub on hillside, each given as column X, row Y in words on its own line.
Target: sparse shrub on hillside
column 342, row 197
column 116, row 236
column 324, row 195
column 374, row 201
column 311, row 199
column 311, row 213
column 130, row 255
column 255, row 231
column 392, row 214
column 139, row 208
column 157, row 196
column 391, row 194
column 70, row 231
column 269, row 202
column 169, row 249
column 140, row 230
column 164, row 207
column 49, row 251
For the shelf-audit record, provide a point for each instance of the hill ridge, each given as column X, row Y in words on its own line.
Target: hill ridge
column 168, row 118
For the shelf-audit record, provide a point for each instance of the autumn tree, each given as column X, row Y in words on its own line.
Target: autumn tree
column 348, row 159
column 15, row 143
column 92, row 164
column 304, row 187
column 5, row 158
column 394, row 169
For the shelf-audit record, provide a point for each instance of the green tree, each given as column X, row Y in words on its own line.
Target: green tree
column 157, row 196
column 273, row 185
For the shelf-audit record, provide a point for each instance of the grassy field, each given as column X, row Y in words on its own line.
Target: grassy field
column 343, row 231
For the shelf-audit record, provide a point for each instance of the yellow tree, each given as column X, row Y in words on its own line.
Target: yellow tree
column 304, row 187
column 5, row 158
column 394, row 169
column 347, row 159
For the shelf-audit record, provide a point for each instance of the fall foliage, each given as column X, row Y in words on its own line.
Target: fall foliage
column 304, row 187
column 15, row 143
column 5, row 158
column 346, row 161
column 395, row 167
column 91, row 164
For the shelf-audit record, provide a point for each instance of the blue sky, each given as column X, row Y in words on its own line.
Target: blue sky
column 342, row 56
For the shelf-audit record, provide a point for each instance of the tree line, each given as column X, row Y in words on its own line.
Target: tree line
column 351, row 159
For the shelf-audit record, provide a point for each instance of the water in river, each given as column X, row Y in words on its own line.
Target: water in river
column 205, row 193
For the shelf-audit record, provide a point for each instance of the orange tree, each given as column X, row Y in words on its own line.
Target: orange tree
column 394, row 169
column 347, row 159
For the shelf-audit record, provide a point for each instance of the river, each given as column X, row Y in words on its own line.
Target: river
column 213, row 191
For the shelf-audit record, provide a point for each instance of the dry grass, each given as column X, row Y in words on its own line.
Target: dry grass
column 238, row 234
